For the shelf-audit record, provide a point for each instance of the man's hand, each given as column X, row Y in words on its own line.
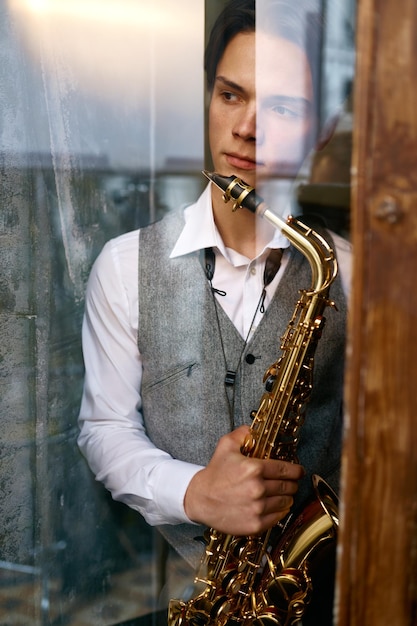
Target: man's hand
column 239, row 495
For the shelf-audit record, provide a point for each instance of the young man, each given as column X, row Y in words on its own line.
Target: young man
column 180, row 324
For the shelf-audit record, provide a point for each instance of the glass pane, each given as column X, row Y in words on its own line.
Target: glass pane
column 97, row 139
column 103, row 109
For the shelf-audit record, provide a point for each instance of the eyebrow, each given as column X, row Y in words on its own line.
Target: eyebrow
column 229, row 83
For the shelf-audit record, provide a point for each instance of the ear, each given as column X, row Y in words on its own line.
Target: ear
column 327, row 132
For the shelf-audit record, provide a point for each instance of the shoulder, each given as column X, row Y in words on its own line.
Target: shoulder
column 123, row 245
column 118, row 252
column 341, row 244
column 167, row 226
column 343, row 250
column 114, row 271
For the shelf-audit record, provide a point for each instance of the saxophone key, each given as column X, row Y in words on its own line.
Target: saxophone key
column 248, row 445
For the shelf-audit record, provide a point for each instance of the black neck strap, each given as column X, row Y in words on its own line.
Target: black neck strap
column 272, row 265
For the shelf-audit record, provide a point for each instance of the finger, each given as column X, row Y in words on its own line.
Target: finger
column 280, row 488
column 277, row 505
column 235, row 438
column 276, row 469
column 275, row 516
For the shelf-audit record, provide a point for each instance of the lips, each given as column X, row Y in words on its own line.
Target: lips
column 241, row 161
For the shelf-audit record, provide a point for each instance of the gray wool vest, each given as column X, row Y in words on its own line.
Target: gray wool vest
column 184, row 349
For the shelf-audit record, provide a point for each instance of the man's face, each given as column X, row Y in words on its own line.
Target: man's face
column 261, row 117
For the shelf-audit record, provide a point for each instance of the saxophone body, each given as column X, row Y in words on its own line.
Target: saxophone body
column 265, row 580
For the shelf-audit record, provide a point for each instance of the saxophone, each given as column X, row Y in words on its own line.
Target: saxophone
column 265, row 580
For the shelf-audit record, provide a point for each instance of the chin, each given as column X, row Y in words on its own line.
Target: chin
column 248, row 176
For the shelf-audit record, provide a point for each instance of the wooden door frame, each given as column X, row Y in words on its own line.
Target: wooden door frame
column 377, row 567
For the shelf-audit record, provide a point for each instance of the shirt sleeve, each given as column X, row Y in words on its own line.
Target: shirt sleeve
column 112, row 433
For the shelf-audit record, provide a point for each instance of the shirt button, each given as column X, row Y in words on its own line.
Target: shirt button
column 253, row 271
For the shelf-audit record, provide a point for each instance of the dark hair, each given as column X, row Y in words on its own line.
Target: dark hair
column 238, row 16
column 298, row 21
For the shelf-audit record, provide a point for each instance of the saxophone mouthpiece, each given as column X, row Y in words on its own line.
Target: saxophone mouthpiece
column 208, row 175
column 236, row 189
column 221, row 181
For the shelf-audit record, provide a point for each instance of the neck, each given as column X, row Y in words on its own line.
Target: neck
column 240, row 230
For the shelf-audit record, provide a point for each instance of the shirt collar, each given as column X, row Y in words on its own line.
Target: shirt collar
column 200, row 231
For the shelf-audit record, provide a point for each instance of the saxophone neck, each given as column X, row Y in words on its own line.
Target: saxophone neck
column 311, row 244
column 318, row 252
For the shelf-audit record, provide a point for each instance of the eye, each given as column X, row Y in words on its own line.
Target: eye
column 229, row 96
column 285, row 111
column 292, row 108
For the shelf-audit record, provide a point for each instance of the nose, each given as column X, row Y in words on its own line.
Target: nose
column 248, row 126
column 245, row 124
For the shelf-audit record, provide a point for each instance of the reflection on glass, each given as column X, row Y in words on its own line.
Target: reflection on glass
column 102, row 108
column 312, row 100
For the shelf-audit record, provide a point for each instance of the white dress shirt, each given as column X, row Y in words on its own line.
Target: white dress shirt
column 113, row 437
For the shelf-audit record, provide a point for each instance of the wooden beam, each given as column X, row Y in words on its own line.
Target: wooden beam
column 377, row 570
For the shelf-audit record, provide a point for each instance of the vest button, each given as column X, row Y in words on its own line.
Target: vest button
column 250, row 359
